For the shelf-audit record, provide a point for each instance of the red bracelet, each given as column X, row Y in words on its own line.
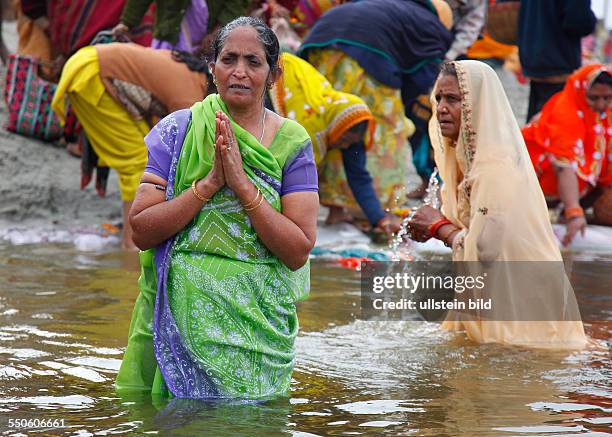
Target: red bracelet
column 433, row 228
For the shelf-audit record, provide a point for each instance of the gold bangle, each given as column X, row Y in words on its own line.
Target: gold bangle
column 194, row 190
column 247, row 205
column 256, row 206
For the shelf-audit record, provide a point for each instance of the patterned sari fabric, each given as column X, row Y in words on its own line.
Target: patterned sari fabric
column 74, row 23
column 568, row 133
column 390, row 152
column 303, row 94
column 225, row 316
column 307, row 12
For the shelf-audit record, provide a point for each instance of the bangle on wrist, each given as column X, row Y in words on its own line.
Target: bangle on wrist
column 195, row 192
column 574, row 212
column 448, row 241
column 258, row 205
column 252, row 202
column 435, row 226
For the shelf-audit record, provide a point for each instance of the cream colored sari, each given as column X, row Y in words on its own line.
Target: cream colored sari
column 492, row 193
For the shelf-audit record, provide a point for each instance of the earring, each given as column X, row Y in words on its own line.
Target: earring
column 214, row 80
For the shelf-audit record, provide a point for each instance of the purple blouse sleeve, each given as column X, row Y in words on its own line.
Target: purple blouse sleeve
column 162, row 140
column 300, row 173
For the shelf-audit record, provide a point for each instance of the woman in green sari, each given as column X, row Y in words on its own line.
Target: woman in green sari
column 226, row 216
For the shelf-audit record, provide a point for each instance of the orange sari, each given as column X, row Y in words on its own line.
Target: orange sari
column 569, row 133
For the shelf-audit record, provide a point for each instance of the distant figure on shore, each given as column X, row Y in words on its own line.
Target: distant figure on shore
column 184, row 25
column 569, row 147
column 550, row 32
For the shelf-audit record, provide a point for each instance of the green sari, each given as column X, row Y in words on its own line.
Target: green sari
column 225, row 317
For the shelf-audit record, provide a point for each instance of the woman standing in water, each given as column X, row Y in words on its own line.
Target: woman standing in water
column 227, row 209
column 493, row 208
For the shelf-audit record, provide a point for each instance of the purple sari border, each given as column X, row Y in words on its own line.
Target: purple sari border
column 181, row 375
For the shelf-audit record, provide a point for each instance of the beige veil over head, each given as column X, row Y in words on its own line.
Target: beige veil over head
column 490, row 190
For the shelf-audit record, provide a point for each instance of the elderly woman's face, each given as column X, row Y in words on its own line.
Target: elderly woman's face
column 241, row 69
column 448, row 110
column 599, row 97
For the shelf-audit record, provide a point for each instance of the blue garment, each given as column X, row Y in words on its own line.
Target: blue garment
column 550, row 33
column 397, row 42
column 360, row 181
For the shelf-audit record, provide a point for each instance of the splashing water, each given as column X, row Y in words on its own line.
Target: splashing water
column 431, row 198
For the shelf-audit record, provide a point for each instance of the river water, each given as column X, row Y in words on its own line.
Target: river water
column 64, row 318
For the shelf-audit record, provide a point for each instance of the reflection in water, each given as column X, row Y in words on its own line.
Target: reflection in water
column 64, row 318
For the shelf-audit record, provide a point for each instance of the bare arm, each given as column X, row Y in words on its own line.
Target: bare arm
column 154, row 220
column 567, row 185
column 289, row 235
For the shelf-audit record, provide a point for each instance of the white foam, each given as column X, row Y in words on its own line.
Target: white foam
column 86, row 240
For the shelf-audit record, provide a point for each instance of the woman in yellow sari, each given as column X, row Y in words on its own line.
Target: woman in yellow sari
column 493, row 211
column 341, row 127
column 116, row 90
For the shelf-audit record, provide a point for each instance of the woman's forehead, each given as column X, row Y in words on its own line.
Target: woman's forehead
column 448, row 84
column 243, row 40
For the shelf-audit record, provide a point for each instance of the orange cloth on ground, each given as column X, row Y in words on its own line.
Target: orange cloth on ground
column 487, row 47
column 171, row 82
column 569, row 133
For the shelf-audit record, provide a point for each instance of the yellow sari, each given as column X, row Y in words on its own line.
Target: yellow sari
column 303, row 94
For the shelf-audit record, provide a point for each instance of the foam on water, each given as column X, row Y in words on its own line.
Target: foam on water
column 86, row 240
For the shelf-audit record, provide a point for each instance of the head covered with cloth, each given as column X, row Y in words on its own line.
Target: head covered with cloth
column 493, row 211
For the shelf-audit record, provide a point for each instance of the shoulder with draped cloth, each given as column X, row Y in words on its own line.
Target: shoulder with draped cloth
column 567, row 132
column 224, row 319
column 491, row 193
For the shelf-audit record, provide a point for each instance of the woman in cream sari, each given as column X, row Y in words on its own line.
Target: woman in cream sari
column 493, row 210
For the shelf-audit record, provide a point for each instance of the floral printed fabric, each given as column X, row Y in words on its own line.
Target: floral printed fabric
column 388, row 157
column 229, row 302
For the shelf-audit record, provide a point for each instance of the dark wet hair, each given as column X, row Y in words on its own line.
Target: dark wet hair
column 266, row 37
column 448, row 68
column 193, row 62
column 604, row 78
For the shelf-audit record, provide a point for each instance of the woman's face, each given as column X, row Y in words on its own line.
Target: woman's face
column 599, row 97
column 448, row 111
column 241, row 69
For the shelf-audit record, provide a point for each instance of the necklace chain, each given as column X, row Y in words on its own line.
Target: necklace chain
column 263, row 126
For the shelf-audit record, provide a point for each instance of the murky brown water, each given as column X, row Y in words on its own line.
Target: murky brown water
column 64, row 317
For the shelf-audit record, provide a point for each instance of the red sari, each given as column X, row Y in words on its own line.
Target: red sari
column 569, row 133
column 74, row 23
